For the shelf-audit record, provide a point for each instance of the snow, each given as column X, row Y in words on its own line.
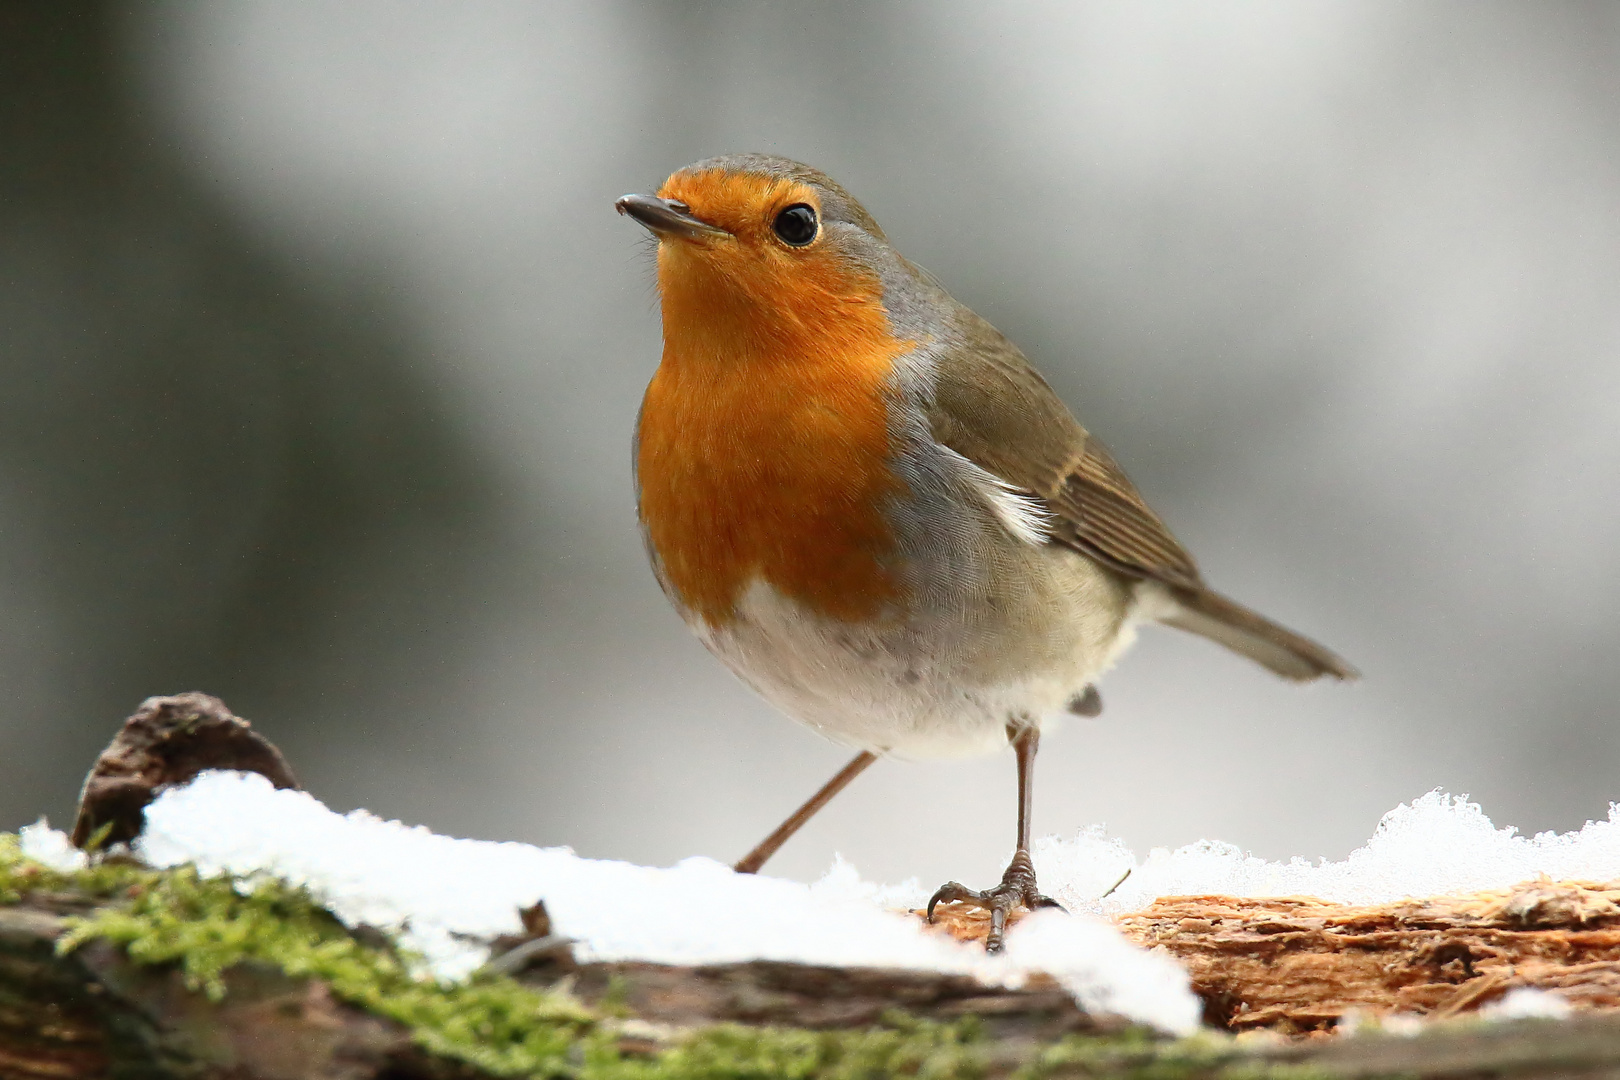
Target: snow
column 446, row 896
column 51, row 848
column 1529, row 1003
column 1437, row 845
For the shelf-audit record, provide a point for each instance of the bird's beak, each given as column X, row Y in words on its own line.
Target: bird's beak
column 667, row 218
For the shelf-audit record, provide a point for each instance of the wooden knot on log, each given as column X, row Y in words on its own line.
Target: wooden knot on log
column 166, row 743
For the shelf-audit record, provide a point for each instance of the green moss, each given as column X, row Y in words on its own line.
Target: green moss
column 732, row 1052
column 204, row 927
column 207, row 926
column 102, row 880
column 1138, row 1055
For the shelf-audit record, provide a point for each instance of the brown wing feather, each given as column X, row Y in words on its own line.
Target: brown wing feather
column 993, row 408
column 1102, row 515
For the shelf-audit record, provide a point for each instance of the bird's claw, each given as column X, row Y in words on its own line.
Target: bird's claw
column 1017, row 887
column 950, row 893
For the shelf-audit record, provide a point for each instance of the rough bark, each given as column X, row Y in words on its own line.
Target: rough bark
column 811, row 996
column 1298, row 965
column 1302, row 965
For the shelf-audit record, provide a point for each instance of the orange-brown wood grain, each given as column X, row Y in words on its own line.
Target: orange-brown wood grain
column 1301, row 966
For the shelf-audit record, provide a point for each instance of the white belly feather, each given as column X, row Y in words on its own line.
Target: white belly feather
column 936, row 683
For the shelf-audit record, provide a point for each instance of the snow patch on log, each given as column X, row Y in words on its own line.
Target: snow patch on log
column 1437, row 845
column 448, row 897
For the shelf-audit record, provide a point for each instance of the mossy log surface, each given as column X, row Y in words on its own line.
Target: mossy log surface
column 125, row 972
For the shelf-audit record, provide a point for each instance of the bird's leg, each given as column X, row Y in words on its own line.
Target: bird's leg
column 1018, row 883
column 750, row 863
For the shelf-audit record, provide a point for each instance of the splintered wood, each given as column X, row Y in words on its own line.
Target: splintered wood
column 1299, row 965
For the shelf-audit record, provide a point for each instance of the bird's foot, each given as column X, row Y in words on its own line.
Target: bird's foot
column 1017, row 887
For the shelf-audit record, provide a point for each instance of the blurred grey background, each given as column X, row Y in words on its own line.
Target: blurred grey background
column 320, row 347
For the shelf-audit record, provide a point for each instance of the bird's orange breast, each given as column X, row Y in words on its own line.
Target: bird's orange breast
column 764, row 444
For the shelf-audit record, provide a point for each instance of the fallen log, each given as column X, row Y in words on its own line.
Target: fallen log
column 120, row 970
column 97, row 1011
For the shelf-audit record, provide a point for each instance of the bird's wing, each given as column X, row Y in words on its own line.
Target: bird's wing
column 992, row 407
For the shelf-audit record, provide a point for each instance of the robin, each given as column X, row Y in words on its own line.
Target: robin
column 873, row 509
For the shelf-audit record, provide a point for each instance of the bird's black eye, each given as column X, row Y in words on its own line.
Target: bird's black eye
column 796, row 225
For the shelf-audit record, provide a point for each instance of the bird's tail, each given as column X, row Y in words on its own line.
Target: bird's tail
column 1211, row 615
